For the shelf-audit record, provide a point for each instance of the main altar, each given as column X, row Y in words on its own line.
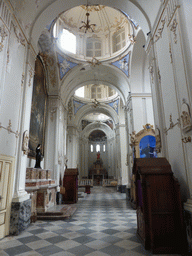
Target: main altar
column 98, row 173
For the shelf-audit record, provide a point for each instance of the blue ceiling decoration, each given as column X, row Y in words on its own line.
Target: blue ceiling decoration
column 123, row 64
column 77, row 105
column 64, row 65
column 114, row 105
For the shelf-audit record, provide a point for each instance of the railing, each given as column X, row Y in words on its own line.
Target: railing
column 85, row 182
column 109, row 182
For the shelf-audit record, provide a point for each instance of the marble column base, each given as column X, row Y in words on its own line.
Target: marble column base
column 20, row 216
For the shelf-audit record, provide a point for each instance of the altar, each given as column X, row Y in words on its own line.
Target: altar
column 98, row 173
column 42, row 190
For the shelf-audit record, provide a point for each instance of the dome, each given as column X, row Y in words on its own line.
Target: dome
column 96, row 32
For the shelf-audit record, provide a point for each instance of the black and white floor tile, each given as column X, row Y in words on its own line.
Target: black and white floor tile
column 103, row 224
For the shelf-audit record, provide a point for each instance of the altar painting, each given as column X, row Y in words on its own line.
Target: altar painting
column 38, row 110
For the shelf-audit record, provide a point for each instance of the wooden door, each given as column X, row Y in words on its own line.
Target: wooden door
column 6, row 188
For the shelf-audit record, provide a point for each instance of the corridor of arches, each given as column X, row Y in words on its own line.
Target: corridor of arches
column 97, row 83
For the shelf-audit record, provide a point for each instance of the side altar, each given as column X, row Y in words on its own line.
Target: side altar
column 42, row 190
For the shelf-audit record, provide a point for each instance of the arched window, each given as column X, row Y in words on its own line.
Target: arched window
column 67, row 41
column 119, row 40
column 91, row 147
column 96, row 92
column 93, row 47
column 104, row 148
column 97, row 148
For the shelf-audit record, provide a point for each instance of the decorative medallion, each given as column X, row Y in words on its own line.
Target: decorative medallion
column 64, row 65
column 123, row 64
column 186, row 121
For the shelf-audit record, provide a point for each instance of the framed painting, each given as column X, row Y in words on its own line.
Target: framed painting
column 38, row 110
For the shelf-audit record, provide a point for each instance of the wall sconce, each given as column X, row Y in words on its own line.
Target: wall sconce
column 171, row 124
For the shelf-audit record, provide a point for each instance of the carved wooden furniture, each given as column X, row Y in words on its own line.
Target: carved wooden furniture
column 159, row 208
column 135, row 144
column 70, row 183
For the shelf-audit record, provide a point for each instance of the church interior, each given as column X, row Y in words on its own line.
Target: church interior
column 96, row 100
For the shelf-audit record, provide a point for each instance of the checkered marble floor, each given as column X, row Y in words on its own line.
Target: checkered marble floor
column 104, row 224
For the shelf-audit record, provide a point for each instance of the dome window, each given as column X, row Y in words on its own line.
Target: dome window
column 67, row 41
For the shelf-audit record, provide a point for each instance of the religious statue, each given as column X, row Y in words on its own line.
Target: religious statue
column 98, row 156
column 38, row 156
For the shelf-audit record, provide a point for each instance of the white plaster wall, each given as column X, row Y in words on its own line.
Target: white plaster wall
column 12, row 94
column 173, row 90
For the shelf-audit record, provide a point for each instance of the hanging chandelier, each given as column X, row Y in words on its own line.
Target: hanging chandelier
column 86, row 24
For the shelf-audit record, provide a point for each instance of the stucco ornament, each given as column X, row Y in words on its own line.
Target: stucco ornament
column 3, row 35
column 25, row 143
column 124, row 64
column 158, row 140
column 159, row 32
column 134, row 140
column 64, row 66
column 173, row 28
column 186, row 121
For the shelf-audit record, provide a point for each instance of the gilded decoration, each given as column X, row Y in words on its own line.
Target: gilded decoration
column 158, row 140
column 3, row 35
column 93, row 8
column 9, row 129
column 172, row 124
column 22, row 79
column 132, row 39
column 70, row 109
column 159, row 32
column 173, row 29
column 170, row 51
column 19, row 35
column 31, row 75
column 49, row 63
column 151, row 71
column 186, row 121
column 133, row 138
column 117, row 24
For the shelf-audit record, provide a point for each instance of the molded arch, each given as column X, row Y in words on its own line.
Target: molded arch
column 107, row 74
column 97, row 126
column 103, row 109
column 138, row 65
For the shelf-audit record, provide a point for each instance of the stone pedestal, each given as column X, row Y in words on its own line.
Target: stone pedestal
column 42, row 190
column 20, row 216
